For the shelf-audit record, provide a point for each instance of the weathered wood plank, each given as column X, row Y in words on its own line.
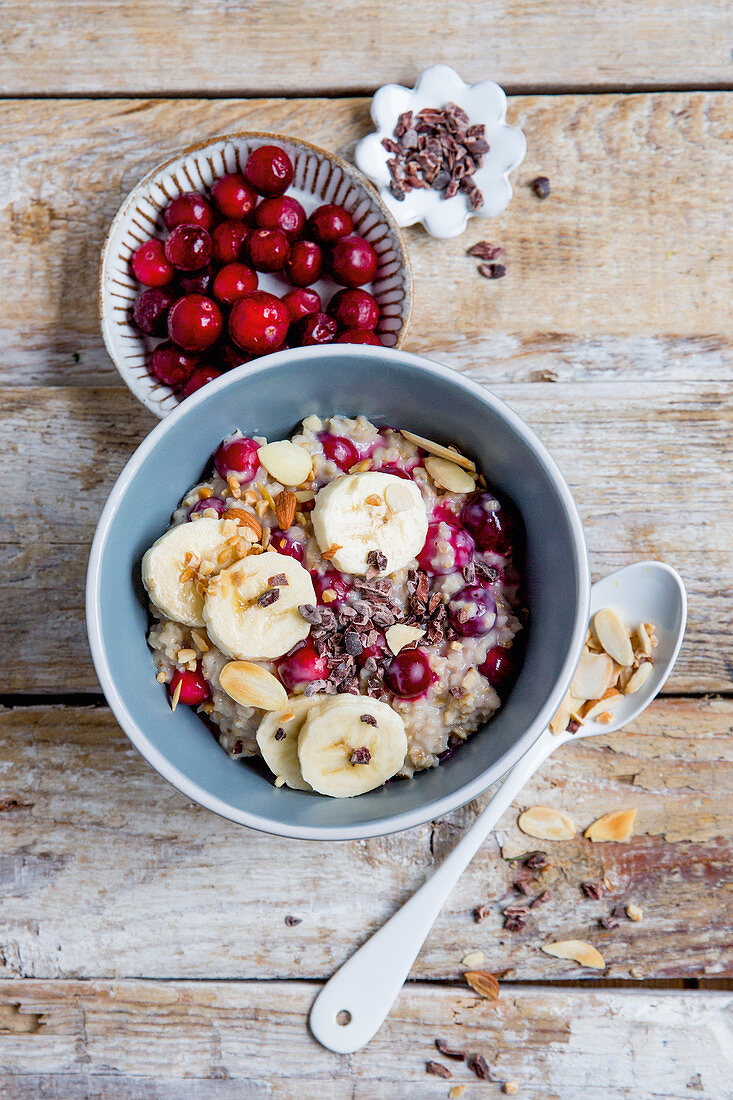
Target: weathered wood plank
column 204, row 1041
column 255, row 47
column 624, row 272
column 647, row 463
column 106, row 871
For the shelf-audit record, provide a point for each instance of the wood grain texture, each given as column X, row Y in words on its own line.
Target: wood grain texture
column 107, row 871
column 138, row 1040
column 623, row 273
column 251, row 47
column 627, row 450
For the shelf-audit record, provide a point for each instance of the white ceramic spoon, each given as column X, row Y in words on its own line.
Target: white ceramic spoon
column 353, row 1005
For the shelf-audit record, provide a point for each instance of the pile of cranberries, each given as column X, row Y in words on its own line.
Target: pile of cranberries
column 202, row 283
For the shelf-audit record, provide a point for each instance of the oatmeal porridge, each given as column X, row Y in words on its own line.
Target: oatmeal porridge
column 344, row 603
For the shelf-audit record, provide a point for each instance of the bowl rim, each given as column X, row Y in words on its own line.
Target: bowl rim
column 359, row 178
column 393, row 822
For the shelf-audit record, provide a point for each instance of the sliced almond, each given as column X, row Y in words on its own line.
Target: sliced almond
column 577, row 950
column 546, row 823
column 243, row 518
column 473, row 959
column 613, row 636
column 373, row 499
column 176, row 694
column 483, row 983
column 618, row 825
column 449, row 475
column 186, row 655
column 456, row 1092
column 644, row 642
column 302, row 495
column 511, row 1088
column 639, row 678
column 361, row 467
column 399, row 636
column 593, row 676
column 205, row 492
column 285, row 508
column 440, row 451
column 286, row 462
column 398, row 497
column 634, row 912
column 569, row 706
column 332, row 551
column 252, row 686
column 593, row 709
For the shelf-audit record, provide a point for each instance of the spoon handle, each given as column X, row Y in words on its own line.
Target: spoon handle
column 364, row 989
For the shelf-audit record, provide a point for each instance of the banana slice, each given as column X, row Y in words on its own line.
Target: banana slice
column 277, row 737
column 360, row 513
column 167, row 574
column 341, row 754
column 252, row 617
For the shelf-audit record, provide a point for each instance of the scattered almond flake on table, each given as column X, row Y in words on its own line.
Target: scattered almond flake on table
column 577, row 951
column 511, row 1088
column 634, row 912
column 483, row 983
column 546, row 823
column 473, row 959
column 617, row 826
column 456, row 1092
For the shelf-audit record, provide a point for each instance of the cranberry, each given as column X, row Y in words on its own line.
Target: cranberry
column 228, row 241
column 233, row 197
column 230, row 355
column 190, row 208
column 150, row 310
column 302, row 667
column 269, row 170
column 300, row 302
column 194, row 322
column 409, row 674
column 492, row 520
column 304, row 264
column 359, row 336
column 234, row 281
column 447, row 549
column 329, row 222
column 284, row 543
column 353, row 261
column 194, row 689
column 316, row 328
column 200, row 377
column 377, row 650
column 396, row 471
column 196, row 282
column 501, row 667
column 334, row 582
column 237, row 455
column 188, row 247
column 354, row 309
column 259, row 323
column 216, row 503
column 150, row 265
column 472, row 610
column 268, row 249
column 170, row 365
column 339, row 449
column 281, row 212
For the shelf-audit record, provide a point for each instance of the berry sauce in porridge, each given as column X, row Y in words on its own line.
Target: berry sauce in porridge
column 344, row 603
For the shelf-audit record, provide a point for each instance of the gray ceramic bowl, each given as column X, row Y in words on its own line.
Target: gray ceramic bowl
column 270, row 397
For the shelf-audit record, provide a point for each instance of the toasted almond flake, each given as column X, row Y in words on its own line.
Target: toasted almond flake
column 455, row 646
column 280, row 781
column 300, row 518
column 456, row 1092
column 546, row 823
column 224, row 555
column 634, row 912
column 643, row 640
column 613, row 635
column 608, row 886
column 267, row 495
column 261, row 507
column 650, row 629
column 399, row 636
column 593, row 676
column 161, row 677
column 286, row 462
column 559, row 721
column 473, row 959
column 192, row 666
column 440, row 451
column 251, row 496
column 639, row 678
column 329, row 596
column 398, row 497
column 266, row 536
column 176, row 694
column 234, row 487
column 303, row 495
column 578, row 951
column 228, row 528
column 252, row 686
column 200, row 642
column 618, row 825
column 361, row 467
column 449, row 475
column 373, row 498
column 607, row 705
column 511, row 1088
column 332, row 551
column 185, row 575
column 186, row 655
column 205, row 492
column 483, row 983
column 287, row 717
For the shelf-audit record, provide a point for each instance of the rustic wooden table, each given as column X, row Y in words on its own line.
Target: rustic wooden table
column 143, row 943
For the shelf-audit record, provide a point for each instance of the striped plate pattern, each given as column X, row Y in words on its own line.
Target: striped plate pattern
column 319, row 177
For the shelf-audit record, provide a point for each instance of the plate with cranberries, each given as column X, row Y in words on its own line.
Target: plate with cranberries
column 246, row 245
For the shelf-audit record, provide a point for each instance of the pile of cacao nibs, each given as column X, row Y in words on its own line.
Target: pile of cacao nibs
column 437, row 149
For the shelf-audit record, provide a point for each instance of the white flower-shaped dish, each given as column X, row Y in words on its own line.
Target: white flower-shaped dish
column 484, row 103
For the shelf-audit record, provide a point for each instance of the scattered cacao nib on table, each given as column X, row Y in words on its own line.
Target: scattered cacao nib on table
column 489, row 253
column 292, row 921
column 541, row 187
column 436, row 1070
column 436, row 149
